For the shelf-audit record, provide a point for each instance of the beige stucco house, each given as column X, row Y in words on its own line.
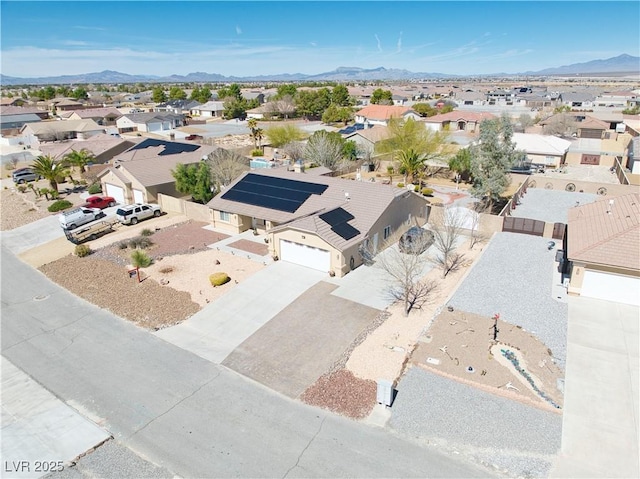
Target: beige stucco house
column 321, row 222
column 603, row 248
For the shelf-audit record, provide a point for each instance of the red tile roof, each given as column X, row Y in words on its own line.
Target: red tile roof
column 606, row 232
column 461, row 116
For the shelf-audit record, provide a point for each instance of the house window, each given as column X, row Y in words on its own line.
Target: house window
column 387, row 232
column 225, row 216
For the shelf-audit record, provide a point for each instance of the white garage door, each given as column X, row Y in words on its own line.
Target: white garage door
column 611, row 287
column 138, row 196
column 304, row 255
column 116, row 191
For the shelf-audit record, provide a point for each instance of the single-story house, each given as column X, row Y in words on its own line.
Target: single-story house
column 367, row 138
column 578, row 99
column 177, row 107
column 60, row 130
column 381, row 114
column 470, row 98
column 458, row 120
column 542, row 150
column 102, row 116
column 210, row 109
column 325, row 223
column 618, row 99
column 65, row 104
column 149, row 122
column 6, row 110
column 633, row 157
column 592, row 128
column 144, row 170
column 259, row 112
column 602, row 152
column 103, row 147
column 603, row 241
column 13, row 123
column 253, row 95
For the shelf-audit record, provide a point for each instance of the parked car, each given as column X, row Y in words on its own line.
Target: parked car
column 25, row 174
column 131, row 214
column 100, row 202
column 71, row 219
column 416, row 240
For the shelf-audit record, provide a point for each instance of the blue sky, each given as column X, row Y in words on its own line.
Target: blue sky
column 260, row 38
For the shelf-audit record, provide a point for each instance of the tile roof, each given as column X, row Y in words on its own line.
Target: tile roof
column 365, row 201
column 606, row 232
column 97, row 112
column 20, row 110
column 61, row 126
column 373, row 134
column 593, row 123
column 541, row 144
column 383, row 112
column 460, row 115
column 97, row 145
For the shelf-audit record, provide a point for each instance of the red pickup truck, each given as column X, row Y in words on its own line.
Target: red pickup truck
column 99, row 202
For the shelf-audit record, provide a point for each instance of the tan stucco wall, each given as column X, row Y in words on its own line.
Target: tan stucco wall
column 578, row 271
column 236, row 223
column 309, row 239
column 110, row 178
column 397, row 216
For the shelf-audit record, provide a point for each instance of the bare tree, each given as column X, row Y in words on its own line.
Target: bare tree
column 294, row 150
column 477, row 235
column 324, row 150
column 561, row 124
column 226, row 166
column 286, row 106
column 406, row 272
column 447, row 225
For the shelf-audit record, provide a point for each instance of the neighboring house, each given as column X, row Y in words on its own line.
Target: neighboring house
column 210, row 109
column 542, row 150
column 603, row 152
column 253, row 95
column 260, row 112
column 399, row 100
column 60, row 130
column 381, row 114
column 15, row 101
column 577, row 99
column 458, row 120
column 144, row 170
column 470, row 98
column 11, row 124
column 102, row 116
column 633, row 157
column 103, row 147
column 603, row 241
column 320, row 222
column 24, row 110
column 501, row 97
column 66, row 104
column 617, row 99
column 367, row 138
column 177, row 107
column 149, row 122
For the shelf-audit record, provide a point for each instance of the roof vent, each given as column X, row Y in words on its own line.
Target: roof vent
column 346, row 196
column 610, row 207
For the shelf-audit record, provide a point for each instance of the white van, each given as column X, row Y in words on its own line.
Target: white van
column 71, row 219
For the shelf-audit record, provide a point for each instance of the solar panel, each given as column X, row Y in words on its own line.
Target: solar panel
column 274, row 193
column 170, row 147
column 345, row 230
column 338, row 220
column 336, row 216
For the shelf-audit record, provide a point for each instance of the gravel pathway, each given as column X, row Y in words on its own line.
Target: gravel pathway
column 550, row 205
column 514, row 278
column 515, row 438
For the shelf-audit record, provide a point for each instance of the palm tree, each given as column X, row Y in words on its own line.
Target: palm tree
column 49, row 169
column 79, row 158
column 252, row 123
column 411, row 163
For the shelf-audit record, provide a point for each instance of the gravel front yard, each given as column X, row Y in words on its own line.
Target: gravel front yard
column 514, row 278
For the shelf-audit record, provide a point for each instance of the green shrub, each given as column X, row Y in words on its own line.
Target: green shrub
column 400, row 185
column 123, row 244
column 140, row 259
column 22, row 188
column 427, row 191
column 218, row 279
column 416, row 188
column 257, row 152
column 59, row 205
column 82, row 250
column 146, row 232
column 95, row 188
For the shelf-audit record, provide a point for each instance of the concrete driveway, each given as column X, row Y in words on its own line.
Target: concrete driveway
column 215, row 331
column 600, row 420
column 301, row 342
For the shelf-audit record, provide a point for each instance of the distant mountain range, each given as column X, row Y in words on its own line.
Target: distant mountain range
column 620, row 64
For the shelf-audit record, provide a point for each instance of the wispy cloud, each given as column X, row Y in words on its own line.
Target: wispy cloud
column 74, row 43
column 378, row 41
column 238, row 30
column 399, row 43
column 313, row 44
column 85, row 27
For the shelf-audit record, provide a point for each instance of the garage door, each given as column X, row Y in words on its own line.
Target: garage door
column 611, row 287
column 138, row 196
column 304, row 255
column 116, row 191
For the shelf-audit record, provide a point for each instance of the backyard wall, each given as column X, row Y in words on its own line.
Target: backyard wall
column 191, row 210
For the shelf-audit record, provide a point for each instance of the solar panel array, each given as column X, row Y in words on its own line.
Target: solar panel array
column 274, row 193
column 170, row 147
column 338, row 220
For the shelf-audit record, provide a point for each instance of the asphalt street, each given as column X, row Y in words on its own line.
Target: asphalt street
column 182, row 412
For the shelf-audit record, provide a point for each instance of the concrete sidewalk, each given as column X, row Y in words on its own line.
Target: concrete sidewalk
column 214, row 332
column 37, row 427
column 600, row 420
